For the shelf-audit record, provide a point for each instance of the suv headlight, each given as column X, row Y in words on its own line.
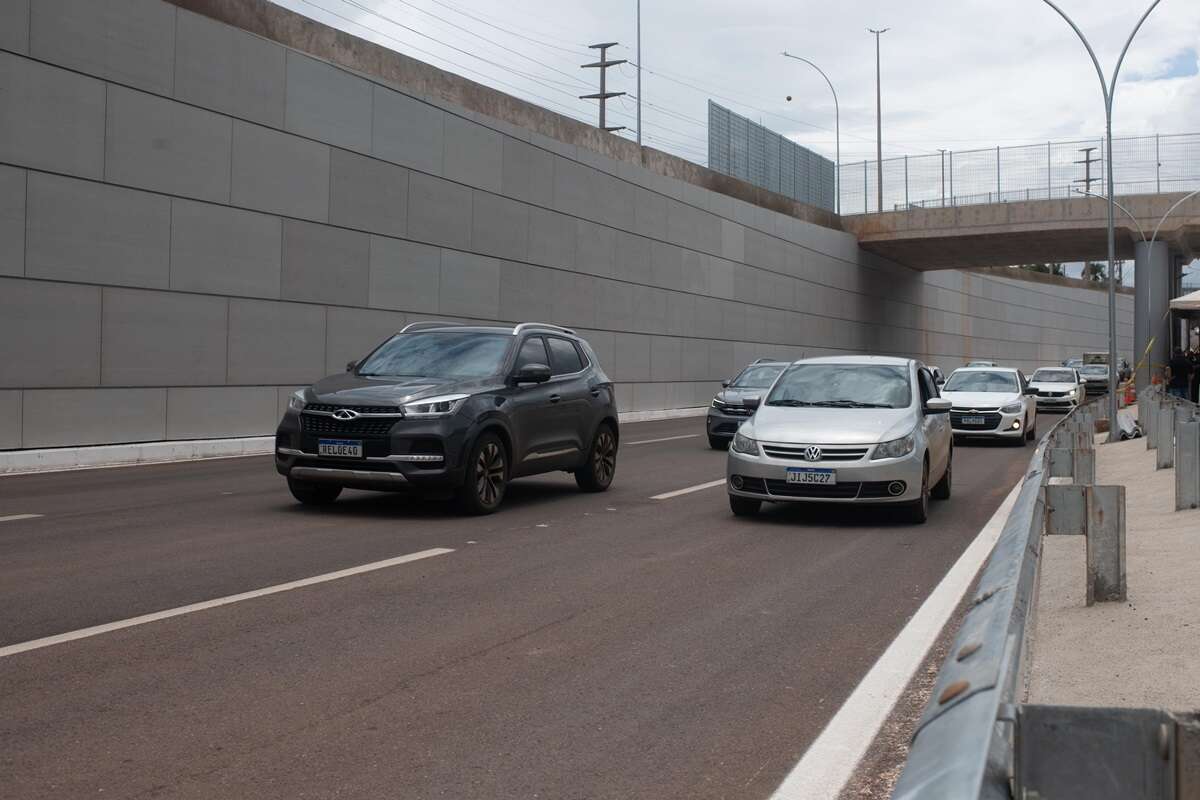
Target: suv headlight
column 744, row 445
column 435, row 406
column 296, row 401
column 717, row 403
column 1012, row 408
column 897, row 448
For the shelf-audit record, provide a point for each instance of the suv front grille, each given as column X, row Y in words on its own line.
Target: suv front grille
column 312, row 423
column 796, row 452
column 360, row 409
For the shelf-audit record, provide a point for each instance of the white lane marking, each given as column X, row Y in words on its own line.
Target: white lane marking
column 108, row 627
column 831, row 759
column 665, row 439
column 697, row 488
column 15, row 517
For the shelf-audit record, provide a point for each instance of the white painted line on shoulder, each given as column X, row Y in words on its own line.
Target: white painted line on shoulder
column 831, row 759
column 697, row 488
column 108, row 627
column 665, row 439
column 15, row 517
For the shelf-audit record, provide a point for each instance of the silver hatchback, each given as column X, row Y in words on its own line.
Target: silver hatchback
column 844, row 429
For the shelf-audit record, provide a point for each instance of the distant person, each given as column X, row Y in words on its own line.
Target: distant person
column 1179, row 375
column 1194, row 357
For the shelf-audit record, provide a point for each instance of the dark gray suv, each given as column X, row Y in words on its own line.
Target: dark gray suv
column 727, row 411
column 447, row 407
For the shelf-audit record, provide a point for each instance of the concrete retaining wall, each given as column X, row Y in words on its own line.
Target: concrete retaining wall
column 195, row 220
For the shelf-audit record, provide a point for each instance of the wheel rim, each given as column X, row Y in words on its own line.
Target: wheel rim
column 489, row 474
column 604, row 457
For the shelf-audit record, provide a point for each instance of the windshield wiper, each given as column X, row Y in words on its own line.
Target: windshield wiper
column 790, row 403
column 846, row 404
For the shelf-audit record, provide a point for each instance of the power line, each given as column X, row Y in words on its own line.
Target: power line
column 577, row 51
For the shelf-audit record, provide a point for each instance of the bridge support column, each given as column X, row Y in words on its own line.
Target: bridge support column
column 1152, row 286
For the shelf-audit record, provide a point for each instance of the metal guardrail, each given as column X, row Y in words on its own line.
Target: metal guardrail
column 1172, row 426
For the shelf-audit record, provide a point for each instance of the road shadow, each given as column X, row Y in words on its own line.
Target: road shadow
column 848, row 515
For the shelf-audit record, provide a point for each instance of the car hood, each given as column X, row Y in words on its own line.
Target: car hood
column 348, row 389
column 969, row 400
column 736, row 395
column 830, row 425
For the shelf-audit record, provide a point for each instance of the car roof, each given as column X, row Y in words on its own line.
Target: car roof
column 891, row 361
column 988, row 369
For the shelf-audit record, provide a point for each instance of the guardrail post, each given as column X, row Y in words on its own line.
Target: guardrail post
column 1164, row 433
column 1187, row 465
column 1147, row 411
column 1098, row 514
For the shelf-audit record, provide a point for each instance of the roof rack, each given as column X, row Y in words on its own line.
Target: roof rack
column 527, row 325
column 431, row 323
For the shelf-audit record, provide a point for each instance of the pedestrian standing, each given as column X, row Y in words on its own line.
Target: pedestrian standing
column 1179, row 375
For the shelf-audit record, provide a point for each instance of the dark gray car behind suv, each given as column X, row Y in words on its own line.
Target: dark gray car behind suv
column 441, row 406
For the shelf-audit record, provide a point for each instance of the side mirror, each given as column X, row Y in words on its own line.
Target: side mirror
column 752, row 403
column 1030, row 391
column 939, row 380
column 725, row 384
column 351, row 366
column 532, row 373
column 937, row 405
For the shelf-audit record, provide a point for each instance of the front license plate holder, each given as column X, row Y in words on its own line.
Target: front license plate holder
column 340, row 448
column 974, row 421
column 812, row 476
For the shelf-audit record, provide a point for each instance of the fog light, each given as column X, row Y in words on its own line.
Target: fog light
column 736, row 482
column 1016, row 426
column 896, row 488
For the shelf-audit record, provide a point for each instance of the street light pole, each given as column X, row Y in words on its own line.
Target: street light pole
column 837, row 134
column 1109, row 88
column 639, row 72
column 878, row 123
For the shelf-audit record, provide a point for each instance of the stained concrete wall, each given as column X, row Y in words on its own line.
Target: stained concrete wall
column 195, row 220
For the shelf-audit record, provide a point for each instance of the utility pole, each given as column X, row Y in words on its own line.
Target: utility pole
column 639, row 72
column 1087, row 169
column 603, row 64
column 878, row 124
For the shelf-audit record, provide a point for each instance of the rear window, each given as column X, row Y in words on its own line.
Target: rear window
column 757, row 377
column 564, row 358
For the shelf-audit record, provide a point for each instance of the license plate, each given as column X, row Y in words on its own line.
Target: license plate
column 825, row 477
column 973, row 421
column 339, row 448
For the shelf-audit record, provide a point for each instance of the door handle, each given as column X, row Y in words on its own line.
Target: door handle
column 554, row 398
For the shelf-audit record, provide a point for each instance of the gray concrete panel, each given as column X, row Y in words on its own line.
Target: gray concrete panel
column 527, row 173
column 552, row 238
column 473, row 154
column 407, row 131
column 573, row 185
column 277, row 172
column 681, row 314
column 127, row 41
column 649, row 396
column 439, row 212
column 594, row 248
column 221, row 250
column 328, row 104
column 650, row 310
column 666, row 358
column 352, row 333
column 14, row 25
column 50, row 118
column 695, row 273
column 162, row 338
column 91, row 232
column 368, row 194
column 229, row 70
column 499, row 226
column 272, row 342
column 470, row 285
column 74, row 417
column 165, row 146
column 614, row 305
column 10, row 418
column 404, row 275
column 12, row 221
column 666, row 265
column 49, row 334
column 323, row 264
column 574, row 299
column 631, row 257
column 650, row 214
column 631, row 357
column 693, row 360
column 525, row 292
column 211, row 412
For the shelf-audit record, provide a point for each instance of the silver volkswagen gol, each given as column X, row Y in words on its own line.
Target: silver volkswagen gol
column 863, row 429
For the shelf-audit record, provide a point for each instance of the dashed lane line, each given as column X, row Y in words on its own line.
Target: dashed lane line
column 15, row 517
column 697, row 488
column 108, row 627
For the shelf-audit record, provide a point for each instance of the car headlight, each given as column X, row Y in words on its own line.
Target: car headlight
column 296, row 401
column 897, row 448
column 744, row 445
column 1012, row 408
column 1073, row 392
column 435, row 406
column 717, row 403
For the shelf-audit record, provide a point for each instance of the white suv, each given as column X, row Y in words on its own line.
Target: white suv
column 992, row 402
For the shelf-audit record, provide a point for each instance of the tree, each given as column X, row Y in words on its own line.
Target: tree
column 1095, row 271
column 1052, row 268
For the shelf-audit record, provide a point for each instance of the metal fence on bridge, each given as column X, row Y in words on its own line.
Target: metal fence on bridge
column 1141, row 165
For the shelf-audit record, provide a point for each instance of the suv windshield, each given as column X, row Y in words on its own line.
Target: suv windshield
column 981, row 381
column 1054, row 376
column 843, row 386
column 439, row 354
column 756, row 377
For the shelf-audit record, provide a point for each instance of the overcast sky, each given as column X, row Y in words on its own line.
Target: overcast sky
column 957, row 74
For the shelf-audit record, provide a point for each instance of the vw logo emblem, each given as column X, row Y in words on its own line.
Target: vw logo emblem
column 812, row 454
column 345, row 414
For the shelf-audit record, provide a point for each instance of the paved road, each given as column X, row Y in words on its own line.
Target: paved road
column 571, row 646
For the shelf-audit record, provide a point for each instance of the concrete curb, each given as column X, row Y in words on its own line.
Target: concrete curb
column 60, row 459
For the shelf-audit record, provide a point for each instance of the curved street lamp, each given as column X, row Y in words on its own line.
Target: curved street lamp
column 1109, row 88
column 837, row 134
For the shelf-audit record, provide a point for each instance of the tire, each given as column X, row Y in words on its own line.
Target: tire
column 941, row 489
column 487, row 476
column 314, row 494
column 597, row 472
column 718, row 442
column 743, row 506
column 1031, row 433
column 918, row 510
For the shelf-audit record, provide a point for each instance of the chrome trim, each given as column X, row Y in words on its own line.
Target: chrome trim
column 543, row 325
column 287, row 451
column 360, row 415
column 403, row 458
column 348, row 476
column 550, row 454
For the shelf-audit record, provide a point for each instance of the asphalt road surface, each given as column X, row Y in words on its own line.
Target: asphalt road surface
column 570, row 646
